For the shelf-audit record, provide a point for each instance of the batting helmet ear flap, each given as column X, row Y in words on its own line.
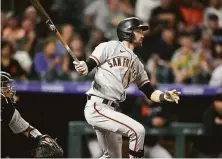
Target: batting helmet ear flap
column 124, row 35
column 127, row 36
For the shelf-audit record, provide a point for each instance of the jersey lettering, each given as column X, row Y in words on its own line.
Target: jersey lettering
column 130, row 75
column 114, row 62
column 120, row 61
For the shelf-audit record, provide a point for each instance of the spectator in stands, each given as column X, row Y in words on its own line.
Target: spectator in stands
column 41, row 29
column 166, row 14
column 25, row 55
column 30, row 36
column 212, row 23
column 105, row 15
column 216, row 78
column 113, row 18
column 144, row 8
column 215, row 7
column 211, row 146
column 77, row 47
column 203, row 60
column 218, row 54
column 95, row 14
column 191, row 14
column 67, row 33
column 9, row 64
column 47, row 64
column 96, row 38
column 14, row 33
column 126, row 7
column 182, row 62
column 159, row 65
column 31, row 14
column 3, row 21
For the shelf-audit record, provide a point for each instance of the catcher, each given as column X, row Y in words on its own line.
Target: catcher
column 46, row 145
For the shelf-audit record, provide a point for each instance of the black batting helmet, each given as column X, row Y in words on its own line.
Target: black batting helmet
column 125, row 28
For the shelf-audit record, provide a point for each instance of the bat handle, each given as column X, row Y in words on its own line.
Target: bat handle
column 72, row 54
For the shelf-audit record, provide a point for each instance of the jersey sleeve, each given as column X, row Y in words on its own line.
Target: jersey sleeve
column 99, row 54
column 142, row 77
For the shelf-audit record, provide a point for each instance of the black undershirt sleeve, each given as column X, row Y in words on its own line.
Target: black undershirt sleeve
column 147, row 89
column 91, row 64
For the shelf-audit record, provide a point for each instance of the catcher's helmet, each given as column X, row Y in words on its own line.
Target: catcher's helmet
column 125, row 28
column 7, row 85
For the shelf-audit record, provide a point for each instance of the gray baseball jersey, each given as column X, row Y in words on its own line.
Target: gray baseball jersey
column 117, row 67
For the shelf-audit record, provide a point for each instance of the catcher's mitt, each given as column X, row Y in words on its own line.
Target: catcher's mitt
column 47, row 147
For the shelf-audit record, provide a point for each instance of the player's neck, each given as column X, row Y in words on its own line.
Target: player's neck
column 128, row 45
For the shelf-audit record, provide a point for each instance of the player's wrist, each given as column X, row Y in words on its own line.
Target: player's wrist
column 156, row 96
column 91, row 64
column 162, row 99
column 34, row 133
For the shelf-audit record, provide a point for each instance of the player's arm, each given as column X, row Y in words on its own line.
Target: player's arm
column 95, row 59
column 12, row 117
column 159, row 96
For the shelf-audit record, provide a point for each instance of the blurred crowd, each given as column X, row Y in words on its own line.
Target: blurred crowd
column 183, row 45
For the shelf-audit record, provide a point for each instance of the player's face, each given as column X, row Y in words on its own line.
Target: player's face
column 50, row 48
column 6, row 92
column 138, row 38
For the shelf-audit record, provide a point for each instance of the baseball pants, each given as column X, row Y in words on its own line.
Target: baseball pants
column 110, row 125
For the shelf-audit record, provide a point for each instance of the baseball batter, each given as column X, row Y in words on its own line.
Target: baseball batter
column 117, row 67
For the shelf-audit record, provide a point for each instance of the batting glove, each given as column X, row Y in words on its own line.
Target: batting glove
column 81, row 67
column 172, row 96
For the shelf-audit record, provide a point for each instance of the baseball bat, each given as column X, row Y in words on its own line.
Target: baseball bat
column 51, row 26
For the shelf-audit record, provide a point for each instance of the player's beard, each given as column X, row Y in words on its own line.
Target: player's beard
column 138, row 43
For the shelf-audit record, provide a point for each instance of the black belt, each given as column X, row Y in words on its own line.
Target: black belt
column 105, row 101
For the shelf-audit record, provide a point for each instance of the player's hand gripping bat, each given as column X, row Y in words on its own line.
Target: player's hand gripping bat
column 52, row 27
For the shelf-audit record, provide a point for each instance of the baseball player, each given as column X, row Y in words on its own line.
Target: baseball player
column 117, row 67
column 46, row 146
